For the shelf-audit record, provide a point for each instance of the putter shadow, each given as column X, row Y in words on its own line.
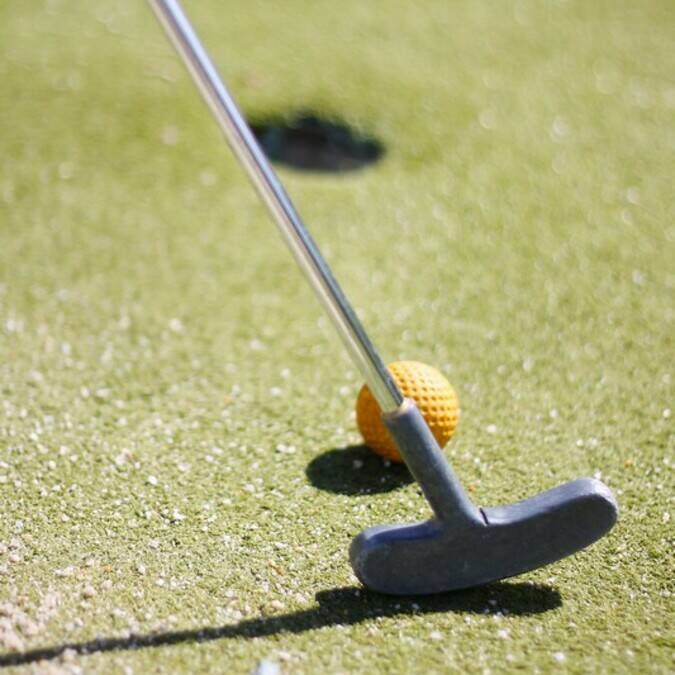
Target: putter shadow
column 345, row 606
column 355, row 470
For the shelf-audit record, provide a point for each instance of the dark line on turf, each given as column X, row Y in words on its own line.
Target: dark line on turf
column 343, row 606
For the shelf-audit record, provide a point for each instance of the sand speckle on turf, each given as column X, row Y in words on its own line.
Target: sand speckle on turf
column 518, row 234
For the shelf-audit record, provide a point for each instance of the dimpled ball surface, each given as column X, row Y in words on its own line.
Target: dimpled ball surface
column 433, row 394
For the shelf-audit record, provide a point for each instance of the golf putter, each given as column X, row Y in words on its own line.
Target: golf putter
column 461, row 545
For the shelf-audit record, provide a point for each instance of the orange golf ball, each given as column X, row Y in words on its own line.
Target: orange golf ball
column 433, row 394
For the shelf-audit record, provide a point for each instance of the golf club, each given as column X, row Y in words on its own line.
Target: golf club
column 461, row 545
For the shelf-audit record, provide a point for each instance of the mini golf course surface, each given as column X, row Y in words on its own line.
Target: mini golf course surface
column 180, row 472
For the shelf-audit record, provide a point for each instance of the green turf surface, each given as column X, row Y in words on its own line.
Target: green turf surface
column 172, row 404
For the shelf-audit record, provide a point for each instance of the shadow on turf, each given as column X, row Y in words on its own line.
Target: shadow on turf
column 340, row 606
column 355, row 470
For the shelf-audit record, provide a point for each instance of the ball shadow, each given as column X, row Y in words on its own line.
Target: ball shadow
column 356, row 470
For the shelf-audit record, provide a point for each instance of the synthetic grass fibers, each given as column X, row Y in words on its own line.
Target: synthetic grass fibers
column 178, row 482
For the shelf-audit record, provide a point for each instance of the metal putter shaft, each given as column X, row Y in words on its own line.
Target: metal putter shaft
column 461, row 545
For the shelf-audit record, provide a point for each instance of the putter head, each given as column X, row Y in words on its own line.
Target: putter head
column 464, row 546
column 436, row 556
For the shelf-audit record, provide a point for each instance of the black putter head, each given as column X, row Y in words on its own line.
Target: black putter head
column 464, row 546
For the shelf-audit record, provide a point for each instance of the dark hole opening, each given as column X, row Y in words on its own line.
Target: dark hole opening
column 310, row 143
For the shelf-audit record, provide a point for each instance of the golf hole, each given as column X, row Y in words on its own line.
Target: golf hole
column 309, row 142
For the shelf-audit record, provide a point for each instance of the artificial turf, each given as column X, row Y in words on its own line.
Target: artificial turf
column 178, row 470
